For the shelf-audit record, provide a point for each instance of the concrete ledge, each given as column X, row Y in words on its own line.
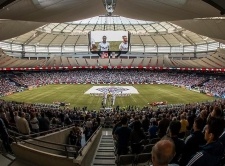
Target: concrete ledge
column 89, row 150
column 40, row 158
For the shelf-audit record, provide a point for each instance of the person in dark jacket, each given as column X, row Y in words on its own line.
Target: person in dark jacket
column 163, row 125
column 137, row 134
column 4, row 137
column 122, row 135
column 193, row 141
column 174, row 129
column 212, row 153
column 44, row 123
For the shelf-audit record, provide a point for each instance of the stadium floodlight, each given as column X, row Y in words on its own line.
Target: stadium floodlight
column 109, row 6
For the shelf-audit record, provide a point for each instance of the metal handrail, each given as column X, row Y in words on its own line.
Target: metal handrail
column 52, row 143
column 56, row 149
column 44, row 132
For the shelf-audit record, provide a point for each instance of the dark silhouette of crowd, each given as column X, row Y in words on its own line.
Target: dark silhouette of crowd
column 196, row 130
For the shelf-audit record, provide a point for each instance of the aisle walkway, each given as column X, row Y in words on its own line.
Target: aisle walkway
column 105, row 152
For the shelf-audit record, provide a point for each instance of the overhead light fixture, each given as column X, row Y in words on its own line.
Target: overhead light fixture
column 109, row 6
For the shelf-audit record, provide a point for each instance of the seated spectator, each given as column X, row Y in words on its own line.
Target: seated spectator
column 174, row 129
column 193, row 141
column 213, row 151
column 163, row 152
column 122, row 135
column 23, row 126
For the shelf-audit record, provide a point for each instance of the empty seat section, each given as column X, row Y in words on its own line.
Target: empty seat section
column 57, row 61
column 4, row 60
column 160, row 62
column 153, row 62
column 220, row 57
column 215, row 60
column 202, row 64
column 192, row 63
column 167, row 62
column 209, row 62
column 103, row 62
column 50, row 62
column 72, row 62
column 81, row 61
column 146, row 62
column 9, row 62
column 183, row 63
column 92, row 62
column 127, row 62
column 137, row 62
column 65, row 61
column 115, row 62
column 18, row 63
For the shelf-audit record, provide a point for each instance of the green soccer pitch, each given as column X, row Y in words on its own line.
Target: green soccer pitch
column 74, row 94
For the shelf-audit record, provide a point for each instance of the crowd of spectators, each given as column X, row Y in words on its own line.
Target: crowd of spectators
column 7, row 86
column 119, row 76
column 183, row 125
column 108, row 76
column 215, row 86
column 196, row 131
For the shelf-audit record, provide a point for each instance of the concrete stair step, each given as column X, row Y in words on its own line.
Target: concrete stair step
column 103, row 162
column 105, row 153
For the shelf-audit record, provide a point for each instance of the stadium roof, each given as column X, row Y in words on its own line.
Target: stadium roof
column 42, row 24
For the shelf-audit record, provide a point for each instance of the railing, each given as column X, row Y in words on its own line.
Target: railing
column 63, row 150
column 89, row 140
column 19, row 135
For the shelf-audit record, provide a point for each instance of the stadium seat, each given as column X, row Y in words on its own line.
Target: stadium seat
column 126, row 160
column 143, row 159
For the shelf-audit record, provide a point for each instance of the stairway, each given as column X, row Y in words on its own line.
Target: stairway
column 6, row 159
column 105, row 152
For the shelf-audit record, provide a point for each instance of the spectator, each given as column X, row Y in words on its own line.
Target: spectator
column 145, row 124
column 184, row 125
column 163, row 125
column 153, row 130
column 174, row 129
column 162, row 153
column 193, row 141
column 213, row 151
column 16, row 118
column 137, row 134
column 23, row 126
column 34, row 123
column 123, row 137
column 5, row 137
column 44, row 123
